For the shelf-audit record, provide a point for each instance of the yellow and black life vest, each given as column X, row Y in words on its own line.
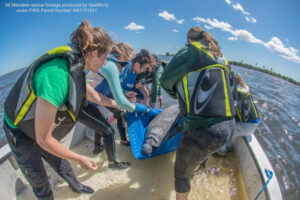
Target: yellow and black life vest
column 21, row 101
column 245, row 109
column 207, row 91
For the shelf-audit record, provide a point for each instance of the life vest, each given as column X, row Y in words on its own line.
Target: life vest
column 128, row 78
column 245, row 109
column 20, row 103
column 103, row 86
column 207, row 92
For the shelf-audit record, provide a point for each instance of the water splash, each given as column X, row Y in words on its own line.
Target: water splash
column 265, row 105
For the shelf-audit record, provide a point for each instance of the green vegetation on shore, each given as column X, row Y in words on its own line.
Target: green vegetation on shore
column 267, row 71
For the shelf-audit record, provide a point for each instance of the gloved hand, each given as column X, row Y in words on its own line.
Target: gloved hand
column 140, row 108
column 154, row 112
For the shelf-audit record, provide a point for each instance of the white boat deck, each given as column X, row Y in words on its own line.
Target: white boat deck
column 150, row 179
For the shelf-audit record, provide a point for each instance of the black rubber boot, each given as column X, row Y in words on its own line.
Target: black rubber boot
column 82, row 189
column 118, row 165
column 98, row 149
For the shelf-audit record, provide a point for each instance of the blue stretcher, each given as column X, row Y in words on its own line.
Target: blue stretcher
column 137, row 127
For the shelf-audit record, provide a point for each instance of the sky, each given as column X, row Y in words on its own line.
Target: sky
column 261, row 33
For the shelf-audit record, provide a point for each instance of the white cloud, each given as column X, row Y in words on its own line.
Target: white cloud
column 239, row 7
column 208, row 27
column 232, row 38
column 289, row 53
column 214, row 23
column 246, row 36
column 175, row 30
column 228, row 2
column 180, row 21
column 274, row 45
column 250, row 19
column 167, row 16
column 134, row 27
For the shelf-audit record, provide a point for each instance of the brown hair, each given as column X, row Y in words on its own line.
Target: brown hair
column 144, row 57
column 88, row 38
column 211, row 44
column 122, row 50
column 239, row 80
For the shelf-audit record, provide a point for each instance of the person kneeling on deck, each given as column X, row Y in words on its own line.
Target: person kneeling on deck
column 202, row 85
column 45, row 103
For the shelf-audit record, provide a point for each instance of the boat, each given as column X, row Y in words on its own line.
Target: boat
column 240, row 175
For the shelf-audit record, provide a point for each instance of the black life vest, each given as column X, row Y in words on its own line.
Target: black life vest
column 246, row 110
column 21, row 101
column 207, row 91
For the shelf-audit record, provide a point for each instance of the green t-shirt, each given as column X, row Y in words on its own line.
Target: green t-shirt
column 50, row 82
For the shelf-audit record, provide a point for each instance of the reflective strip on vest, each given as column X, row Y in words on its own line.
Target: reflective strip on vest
column 186, row 93
column 227, row 104
column 238, row 114
column 61, row 49
column 71, row 114
column 25, row 108
column 199, row 46
column 254, row 108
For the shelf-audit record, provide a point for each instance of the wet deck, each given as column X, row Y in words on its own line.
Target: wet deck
column 151, row 179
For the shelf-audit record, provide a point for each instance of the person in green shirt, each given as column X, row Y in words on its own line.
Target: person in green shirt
column 195, row 77
column 45, row 104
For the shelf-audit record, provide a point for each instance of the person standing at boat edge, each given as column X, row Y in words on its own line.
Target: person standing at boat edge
column 202, row 85
column 45, row 103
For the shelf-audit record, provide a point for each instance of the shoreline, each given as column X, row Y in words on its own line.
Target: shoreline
column 265, row 71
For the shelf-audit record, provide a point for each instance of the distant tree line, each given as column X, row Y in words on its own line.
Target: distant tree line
column 265, row 71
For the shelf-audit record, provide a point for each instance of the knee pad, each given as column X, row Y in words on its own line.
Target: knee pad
column 182, row 185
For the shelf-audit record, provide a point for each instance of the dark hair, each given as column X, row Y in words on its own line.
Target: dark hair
column 211, row 44
column 144, row 57
column 88, row 38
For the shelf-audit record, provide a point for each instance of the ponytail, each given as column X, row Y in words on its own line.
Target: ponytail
column 88, row 38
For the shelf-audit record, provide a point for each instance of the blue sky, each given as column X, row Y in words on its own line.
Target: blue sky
column 263, row 32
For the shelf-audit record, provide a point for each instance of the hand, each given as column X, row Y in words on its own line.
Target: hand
column 138, row 85
column 140, row 108
column 159, row 98
column 131, row 96
column 87, row 163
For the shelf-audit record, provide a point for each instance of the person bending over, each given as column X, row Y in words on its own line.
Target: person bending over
column 202, row 85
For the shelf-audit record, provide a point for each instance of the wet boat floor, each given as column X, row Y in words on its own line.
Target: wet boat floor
column 150, row 179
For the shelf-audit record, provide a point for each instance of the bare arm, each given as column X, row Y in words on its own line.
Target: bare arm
column 44, row 120
column 100, row 99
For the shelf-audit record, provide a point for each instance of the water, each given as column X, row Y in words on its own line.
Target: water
column 278, row 104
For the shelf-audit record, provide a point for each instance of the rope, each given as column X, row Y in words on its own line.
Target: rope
column 269, row 174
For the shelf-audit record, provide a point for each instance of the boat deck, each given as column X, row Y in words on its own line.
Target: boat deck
column 150, row 179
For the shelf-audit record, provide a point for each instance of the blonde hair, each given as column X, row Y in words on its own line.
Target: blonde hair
column 211, row 44
column 88, row 38
column 122, row 50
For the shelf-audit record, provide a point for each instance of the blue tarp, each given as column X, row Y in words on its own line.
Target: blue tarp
column 137, row 127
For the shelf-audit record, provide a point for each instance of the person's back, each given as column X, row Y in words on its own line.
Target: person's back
column 202, row 85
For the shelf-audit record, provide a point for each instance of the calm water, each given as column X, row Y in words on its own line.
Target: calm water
column 278, row 102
